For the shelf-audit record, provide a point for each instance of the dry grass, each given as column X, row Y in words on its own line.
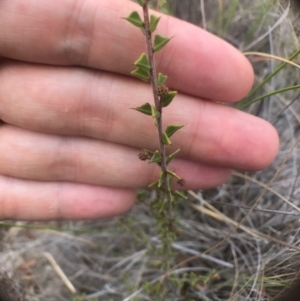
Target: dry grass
column 241, row 240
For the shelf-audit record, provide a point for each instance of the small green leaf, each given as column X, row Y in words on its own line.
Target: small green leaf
column 168, row 99
column 171, row 196
column 165, row 139
column 141, row 2
column 148, row 109
column 161, row 180
column 154, row 184
column 156, row 158
column 142, row 62
column 141, row 74
column 172, row 129
column 180, row 194
column 161, row 79
column 173, row 174
column 160, row 42
column 170, row 180
column 154, row 112
column 153, row 22
column 145, row 109
column 135, row 19
column 172, row 156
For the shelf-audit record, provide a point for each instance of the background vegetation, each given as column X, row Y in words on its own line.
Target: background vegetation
column 236, row 242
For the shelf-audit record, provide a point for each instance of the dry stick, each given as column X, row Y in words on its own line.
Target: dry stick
column 157, row 102
column 60, row 272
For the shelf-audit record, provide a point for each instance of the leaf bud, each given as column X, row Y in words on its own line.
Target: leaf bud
column 181, row 182
column 144, row 155
column 162, row 91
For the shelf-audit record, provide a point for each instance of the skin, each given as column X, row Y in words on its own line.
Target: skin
column 69, row 140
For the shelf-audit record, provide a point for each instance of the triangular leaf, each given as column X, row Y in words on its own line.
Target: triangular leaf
column 156, row 157
column 148, row 109
column 173, row 174
column 160, row 42
column 141, row 2
column 168, row 99
column 170, row 180
column 145, row 109
column 141, row 74
column 165, row 139
column 172, row 129
column 180, row 194
column 154, row 184
column 135, row 19
column 153, row 22
column 172, row 156
column 142, row 62
column 161, row 180
column 154, row 112
column 161, row 79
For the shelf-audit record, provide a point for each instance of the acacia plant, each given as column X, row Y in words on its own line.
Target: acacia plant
column 162, row 97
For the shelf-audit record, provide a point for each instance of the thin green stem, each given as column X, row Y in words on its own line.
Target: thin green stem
column 245, row 102
column 243, row 106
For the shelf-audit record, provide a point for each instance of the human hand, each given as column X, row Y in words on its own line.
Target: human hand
column 69, row 141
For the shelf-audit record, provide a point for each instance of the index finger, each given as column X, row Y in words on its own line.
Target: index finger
column 92, row 33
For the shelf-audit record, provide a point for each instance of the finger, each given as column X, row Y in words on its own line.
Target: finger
column 30, row 200
column 43, row 157
column 92, row 33
column 97, row 104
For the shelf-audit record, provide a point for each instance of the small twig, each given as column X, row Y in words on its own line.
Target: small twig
column 60, row 272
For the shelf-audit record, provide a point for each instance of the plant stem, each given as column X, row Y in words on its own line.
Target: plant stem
column 153, row 80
